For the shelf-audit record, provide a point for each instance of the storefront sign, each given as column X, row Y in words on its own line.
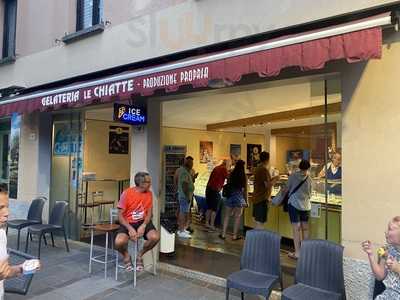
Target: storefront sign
column 129, row 114
column 140, row 85
column 199, row 72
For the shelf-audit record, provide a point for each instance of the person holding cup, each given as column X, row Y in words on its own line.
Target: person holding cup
column 6, row 270
column 387, row 267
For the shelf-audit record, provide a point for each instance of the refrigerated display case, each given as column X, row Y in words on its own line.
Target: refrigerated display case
column 325, row 208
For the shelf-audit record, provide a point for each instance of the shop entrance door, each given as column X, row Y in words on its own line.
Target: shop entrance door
column 66, row 170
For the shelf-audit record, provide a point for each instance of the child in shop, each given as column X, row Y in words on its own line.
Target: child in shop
column 387, row 267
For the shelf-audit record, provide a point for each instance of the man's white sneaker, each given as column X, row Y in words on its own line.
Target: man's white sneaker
column 184, row 235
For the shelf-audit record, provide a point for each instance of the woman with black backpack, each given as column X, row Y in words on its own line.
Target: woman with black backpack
column 235, row 192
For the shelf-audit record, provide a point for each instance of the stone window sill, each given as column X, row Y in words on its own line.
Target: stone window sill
column 7, row 60
column 84, row 33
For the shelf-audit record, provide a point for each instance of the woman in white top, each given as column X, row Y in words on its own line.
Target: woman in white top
column 333, row 172
column 299, row 205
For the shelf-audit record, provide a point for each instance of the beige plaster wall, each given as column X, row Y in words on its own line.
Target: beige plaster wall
column 41, row 22
column 370, row 140
column 283, row 144
column 97, row 158
column 146, row 29
column 28, row 167
column 114, row 14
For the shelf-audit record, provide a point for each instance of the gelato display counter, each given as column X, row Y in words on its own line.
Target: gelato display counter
column 324, row 208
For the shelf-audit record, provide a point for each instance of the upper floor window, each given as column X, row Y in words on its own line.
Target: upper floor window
column 89, row 13
column 9, row 28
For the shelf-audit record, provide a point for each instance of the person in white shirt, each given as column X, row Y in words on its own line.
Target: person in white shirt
column 333, row 172
column 333, row 167
column 6, row 271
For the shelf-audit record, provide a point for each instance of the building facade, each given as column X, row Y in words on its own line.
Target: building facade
column 52, row 47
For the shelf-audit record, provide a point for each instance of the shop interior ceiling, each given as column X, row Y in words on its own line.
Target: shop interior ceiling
column 200, row 110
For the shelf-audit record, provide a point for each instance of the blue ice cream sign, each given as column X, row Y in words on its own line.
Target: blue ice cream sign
column 129, row 114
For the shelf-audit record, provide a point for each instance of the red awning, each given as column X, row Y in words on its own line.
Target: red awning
column 352, row 46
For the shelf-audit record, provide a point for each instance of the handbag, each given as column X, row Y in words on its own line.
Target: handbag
column 282, row 198
column 277, row 200
column 226, row 190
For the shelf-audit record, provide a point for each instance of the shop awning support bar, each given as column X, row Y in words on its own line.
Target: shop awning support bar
column 326, row 155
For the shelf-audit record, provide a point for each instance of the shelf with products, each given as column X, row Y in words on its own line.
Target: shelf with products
column 318, row 191
column 200, row 184
column 174, row 157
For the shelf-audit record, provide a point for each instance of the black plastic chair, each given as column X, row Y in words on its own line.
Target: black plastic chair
column 34, row 217
column 260, row 268
column 19, row 285
column 56, row 225
column 319, row 272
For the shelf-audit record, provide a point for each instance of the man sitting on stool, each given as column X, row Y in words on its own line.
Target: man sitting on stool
column 135, row 212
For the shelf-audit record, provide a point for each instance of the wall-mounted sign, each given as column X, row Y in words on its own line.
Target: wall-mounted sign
column 118, row 142
column 206, row 152
column 235, row 151
column 315, row 210
column 253, row 155
column 129, row 114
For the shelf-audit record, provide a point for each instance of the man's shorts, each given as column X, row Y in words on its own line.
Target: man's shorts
column 213, row 198
column 297, row 216
column 149, row 227
column 184, row 205
column 260, row 211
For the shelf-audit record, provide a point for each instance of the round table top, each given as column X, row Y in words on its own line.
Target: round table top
column 106, row 227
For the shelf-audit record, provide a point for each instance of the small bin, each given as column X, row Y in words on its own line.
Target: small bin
column 167, row 241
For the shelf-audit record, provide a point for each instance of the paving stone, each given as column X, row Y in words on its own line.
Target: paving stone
column 51, row 296
column 64, row 276
column 87, row 288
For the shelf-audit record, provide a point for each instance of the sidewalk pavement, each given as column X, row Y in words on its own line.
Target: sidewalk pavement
column 64, row 276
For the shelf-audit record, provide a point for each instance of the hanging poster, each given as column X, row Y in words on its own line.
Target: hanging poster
column 206, row 152
column 14, row 154
column 67, row 140
column 295, row 156
column 118, row 142
column 235, row 151
column 253, row 155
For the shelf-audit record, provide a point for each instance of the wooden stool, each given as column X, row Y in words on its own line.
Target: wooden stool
column 107, row 229
column 133, row 249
